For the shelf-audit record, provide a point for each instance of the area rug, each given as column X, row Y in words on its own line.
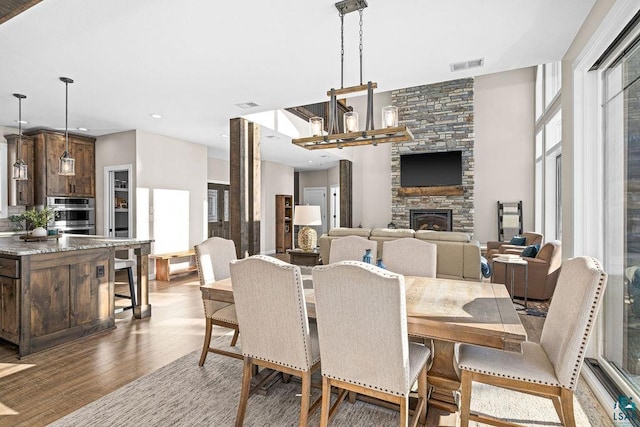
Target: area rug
column 184, row 394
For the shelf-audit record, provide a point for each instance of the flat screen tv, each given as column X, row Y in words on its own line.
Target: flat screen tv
column 431, row 169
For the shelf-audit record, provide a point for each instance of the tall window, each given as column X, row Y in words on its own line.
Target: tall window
column 621, row 115
column 548, row 169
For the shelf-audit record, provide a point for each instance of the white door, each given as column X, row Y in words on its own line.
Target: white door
column 317, row 196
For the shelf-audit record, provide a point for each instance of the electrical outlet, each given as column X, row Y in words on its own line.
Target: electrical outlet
column 100, row 271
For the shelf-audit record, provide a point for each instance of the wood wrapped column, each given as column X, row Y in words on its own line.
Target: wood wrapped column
column 244, row 190
column 346, row 194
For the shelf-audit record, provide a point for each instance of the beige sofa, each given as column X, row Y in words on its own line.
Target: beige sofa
column 458, row 255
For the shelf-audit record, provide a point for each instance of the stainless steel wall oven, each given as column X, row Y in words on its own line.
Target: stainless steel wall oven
column 76, row 215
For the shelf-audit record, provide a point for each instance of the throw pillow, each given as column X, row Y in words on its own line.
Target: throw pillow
column 531, row 251
column 518, row 240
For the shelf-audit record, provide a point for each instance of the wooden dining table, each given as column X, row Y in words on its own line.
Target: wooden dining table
column 447, row 312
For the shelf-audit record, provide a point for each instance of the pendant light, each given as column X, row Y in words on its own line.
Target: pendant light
column 67, row 164
column 19, row 167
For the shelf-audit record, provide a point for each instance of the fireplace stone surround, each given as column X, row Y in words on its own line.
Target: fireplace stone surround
column 440, row 116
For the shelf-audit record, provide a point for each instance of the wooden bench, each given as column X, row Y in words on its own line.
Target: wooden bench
column 163, row 264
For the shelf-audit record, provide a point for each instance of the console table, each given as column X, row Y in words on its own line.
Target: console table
column 300, row 257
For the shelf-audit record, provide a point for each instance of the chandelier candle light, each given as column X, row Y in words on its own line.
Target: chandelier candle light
column 352, row 135
column 67, row 165
column 19, row 167
column 307, row 215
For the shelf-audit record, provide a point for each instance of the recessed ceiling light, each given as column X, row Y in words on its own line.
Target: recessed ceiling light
column 22, row 122
column 82, row 129
column 271, row 137
column 467, row 64
column 156, row 116
column 324, row 156
column 310, row 161
column 224, row 135
column 246, row 105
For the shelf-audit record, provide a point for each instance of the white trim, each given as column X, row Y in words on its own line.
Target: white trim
column 601, row 393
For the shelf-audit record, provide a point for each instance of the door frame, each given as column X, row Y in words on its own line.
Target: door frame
column 109, row 190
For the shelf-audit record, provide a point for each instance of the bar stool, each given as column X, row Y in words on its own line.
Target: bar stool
column 128, row 264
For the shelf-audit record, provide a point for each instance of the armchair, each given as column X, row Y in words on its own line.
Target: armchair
column 495, row 248
column 543, row 271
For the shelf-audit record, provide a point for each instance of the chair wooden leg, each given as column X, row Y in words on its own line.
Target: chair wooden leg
column 244, row 391
column 558, row 405
column 305, row 398
column 422, row 394
column 566, row 401
column 404, row 412
column 465, row 397
column 352, row 396
column 326, row 402
column 207, row 341
column 234, row 340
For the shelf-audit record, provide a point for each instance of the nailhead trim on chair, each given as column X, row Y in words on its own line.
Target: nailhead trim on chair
column 576, row 368
column 368, row 386
column 497, row 374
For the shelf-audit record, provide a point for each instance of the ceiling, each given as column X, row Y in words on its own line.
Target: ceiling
column 193, row 61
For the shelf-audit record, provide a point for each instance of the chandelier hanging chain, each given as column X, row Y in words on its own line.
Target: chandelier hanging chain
column 19, row 126
column 360, row 12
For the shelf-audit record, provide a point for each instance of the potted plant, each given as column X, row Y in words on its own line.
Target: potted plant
column 36, row 219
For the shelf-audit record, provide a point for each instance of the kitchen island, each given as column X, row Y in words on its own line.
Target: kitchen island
column 58, row 290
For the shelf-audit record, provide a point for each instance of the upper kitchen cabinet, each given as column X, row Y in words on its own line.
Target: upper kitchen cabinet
column 49, row 146
column 21, row 192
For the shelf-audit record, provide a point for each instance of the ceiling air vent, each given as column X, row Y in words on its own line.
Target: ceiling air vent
column 467, row 64
column 246, row 105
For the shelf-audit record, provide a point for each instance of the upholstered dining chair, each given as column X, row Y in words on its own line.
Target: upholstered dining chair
column 411, row 257
column 551, row 368
column 362, row 327
column 212, row 259
column 351, row 248
column 276, row 333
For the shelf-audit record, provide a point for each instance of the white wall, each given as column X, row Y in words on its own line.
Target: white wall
column 165, row 163
column 275, row 178
column 504, row 147
column 371, row 175
column 113, row 150
column 217, row 170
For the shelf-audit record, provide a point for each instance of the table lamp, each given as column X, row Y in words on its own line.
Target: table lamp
column 307, row 215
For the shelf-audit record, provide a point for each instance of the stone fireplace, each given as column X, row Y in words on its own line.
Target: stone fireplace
column 440, row 116
column 431, row 219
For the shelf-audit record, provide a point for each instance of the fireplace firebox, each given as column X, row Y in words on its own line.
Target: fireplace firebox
column 431, row 219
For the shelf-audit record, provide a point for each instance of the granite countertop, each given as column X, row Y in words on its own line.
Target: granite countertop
column 13, row 245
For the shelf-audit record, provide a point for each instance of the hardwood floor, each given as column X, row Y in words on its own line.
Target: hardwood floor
column 42, row 387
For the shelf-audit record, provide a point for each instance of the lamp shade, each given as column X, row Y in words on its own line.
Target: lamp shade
column 307, row 215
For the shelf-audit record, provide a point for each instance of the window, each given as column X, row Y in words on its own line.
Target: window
column 548, row 151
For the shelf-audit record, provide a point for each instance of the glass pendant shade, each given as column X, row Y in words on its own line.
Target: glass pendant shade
column 20, row 170
column 67, row 165
column 389, row 116
column 316, row 126
column 350, row 121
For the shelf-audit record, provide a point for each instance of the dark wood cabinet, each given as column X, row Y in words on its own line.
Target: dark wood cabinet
column 51, row 298
column 22, row 190
column 284, row 222
column 49, row 146
column 9, row 299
